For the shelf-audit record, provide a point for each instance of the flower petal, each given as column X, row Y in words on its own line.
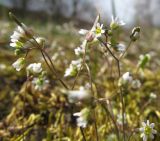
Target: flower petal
column 83, row 31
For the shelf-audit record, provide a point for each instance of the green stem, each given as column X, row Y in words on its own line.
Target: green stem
column 90, row 79
column 119, row 74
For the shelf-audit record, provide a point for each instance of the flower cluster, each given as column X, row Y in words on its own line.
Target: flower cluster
column 39, row 81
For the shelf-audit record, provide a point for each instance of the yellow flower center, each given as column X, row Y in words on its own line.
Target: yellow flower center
column 147, row 130
column 98, row 30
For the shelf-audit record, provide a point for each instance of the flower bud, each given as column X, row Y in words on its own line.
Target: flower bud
column 135, row 34
column 17, row 52
column 125, row 79
column 19, row 64
column 40, row 41
column 143, row 60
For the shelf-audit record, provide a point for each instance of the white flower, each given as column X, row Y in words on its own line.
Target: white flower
column 71, row 71
column 120, row 47
column 74, row 67
column 78, row 95
column 18, row 38
column 40, row 83
column 136, row 84
column 91, row 35
column 19, row 64
column 147, row 130
column 83, row 31
column 81, row 50
column 153, row 95
column 35, row 68
column 115, row 23
column 98, row 30
column 125, row 79
column 83, row 116
column 40, row 40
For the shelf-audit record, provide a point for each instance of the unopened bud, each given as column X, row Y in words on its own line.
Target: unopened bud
column 135, row 34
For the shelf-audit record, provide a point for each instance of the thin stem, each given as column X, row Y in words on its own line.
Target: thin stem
column 95, row 125
column 83, row 62
column 12, row 16
column 82, row 132
column 125, row 50
column 119, row 74
column 90, row 79
column 112, row 118
column 55, row 70
column 43, row 52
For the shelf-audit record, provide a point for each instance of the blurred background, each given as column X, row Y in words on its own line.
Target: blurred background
column 130, row 11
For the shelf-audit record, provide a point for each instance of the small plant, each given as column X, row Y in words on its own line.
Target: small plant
column 85, row 97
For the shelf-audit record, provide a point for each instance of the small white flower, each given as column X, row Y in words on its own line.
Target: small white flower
column 35, row 68
column 74, row 67
column 83, row 31
column 81, row 50
column 78, row 95
column 18, row 38
column 136, row 84
column 120, row 47
column 40, row 40
column 83, row 116
column 98, row 30
column 125, row 79
column 90, row 34
column 147, row 130
column 19, row 64
column 40, row 83
column 71, row 71
column 115, row 23
column 153, row 95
